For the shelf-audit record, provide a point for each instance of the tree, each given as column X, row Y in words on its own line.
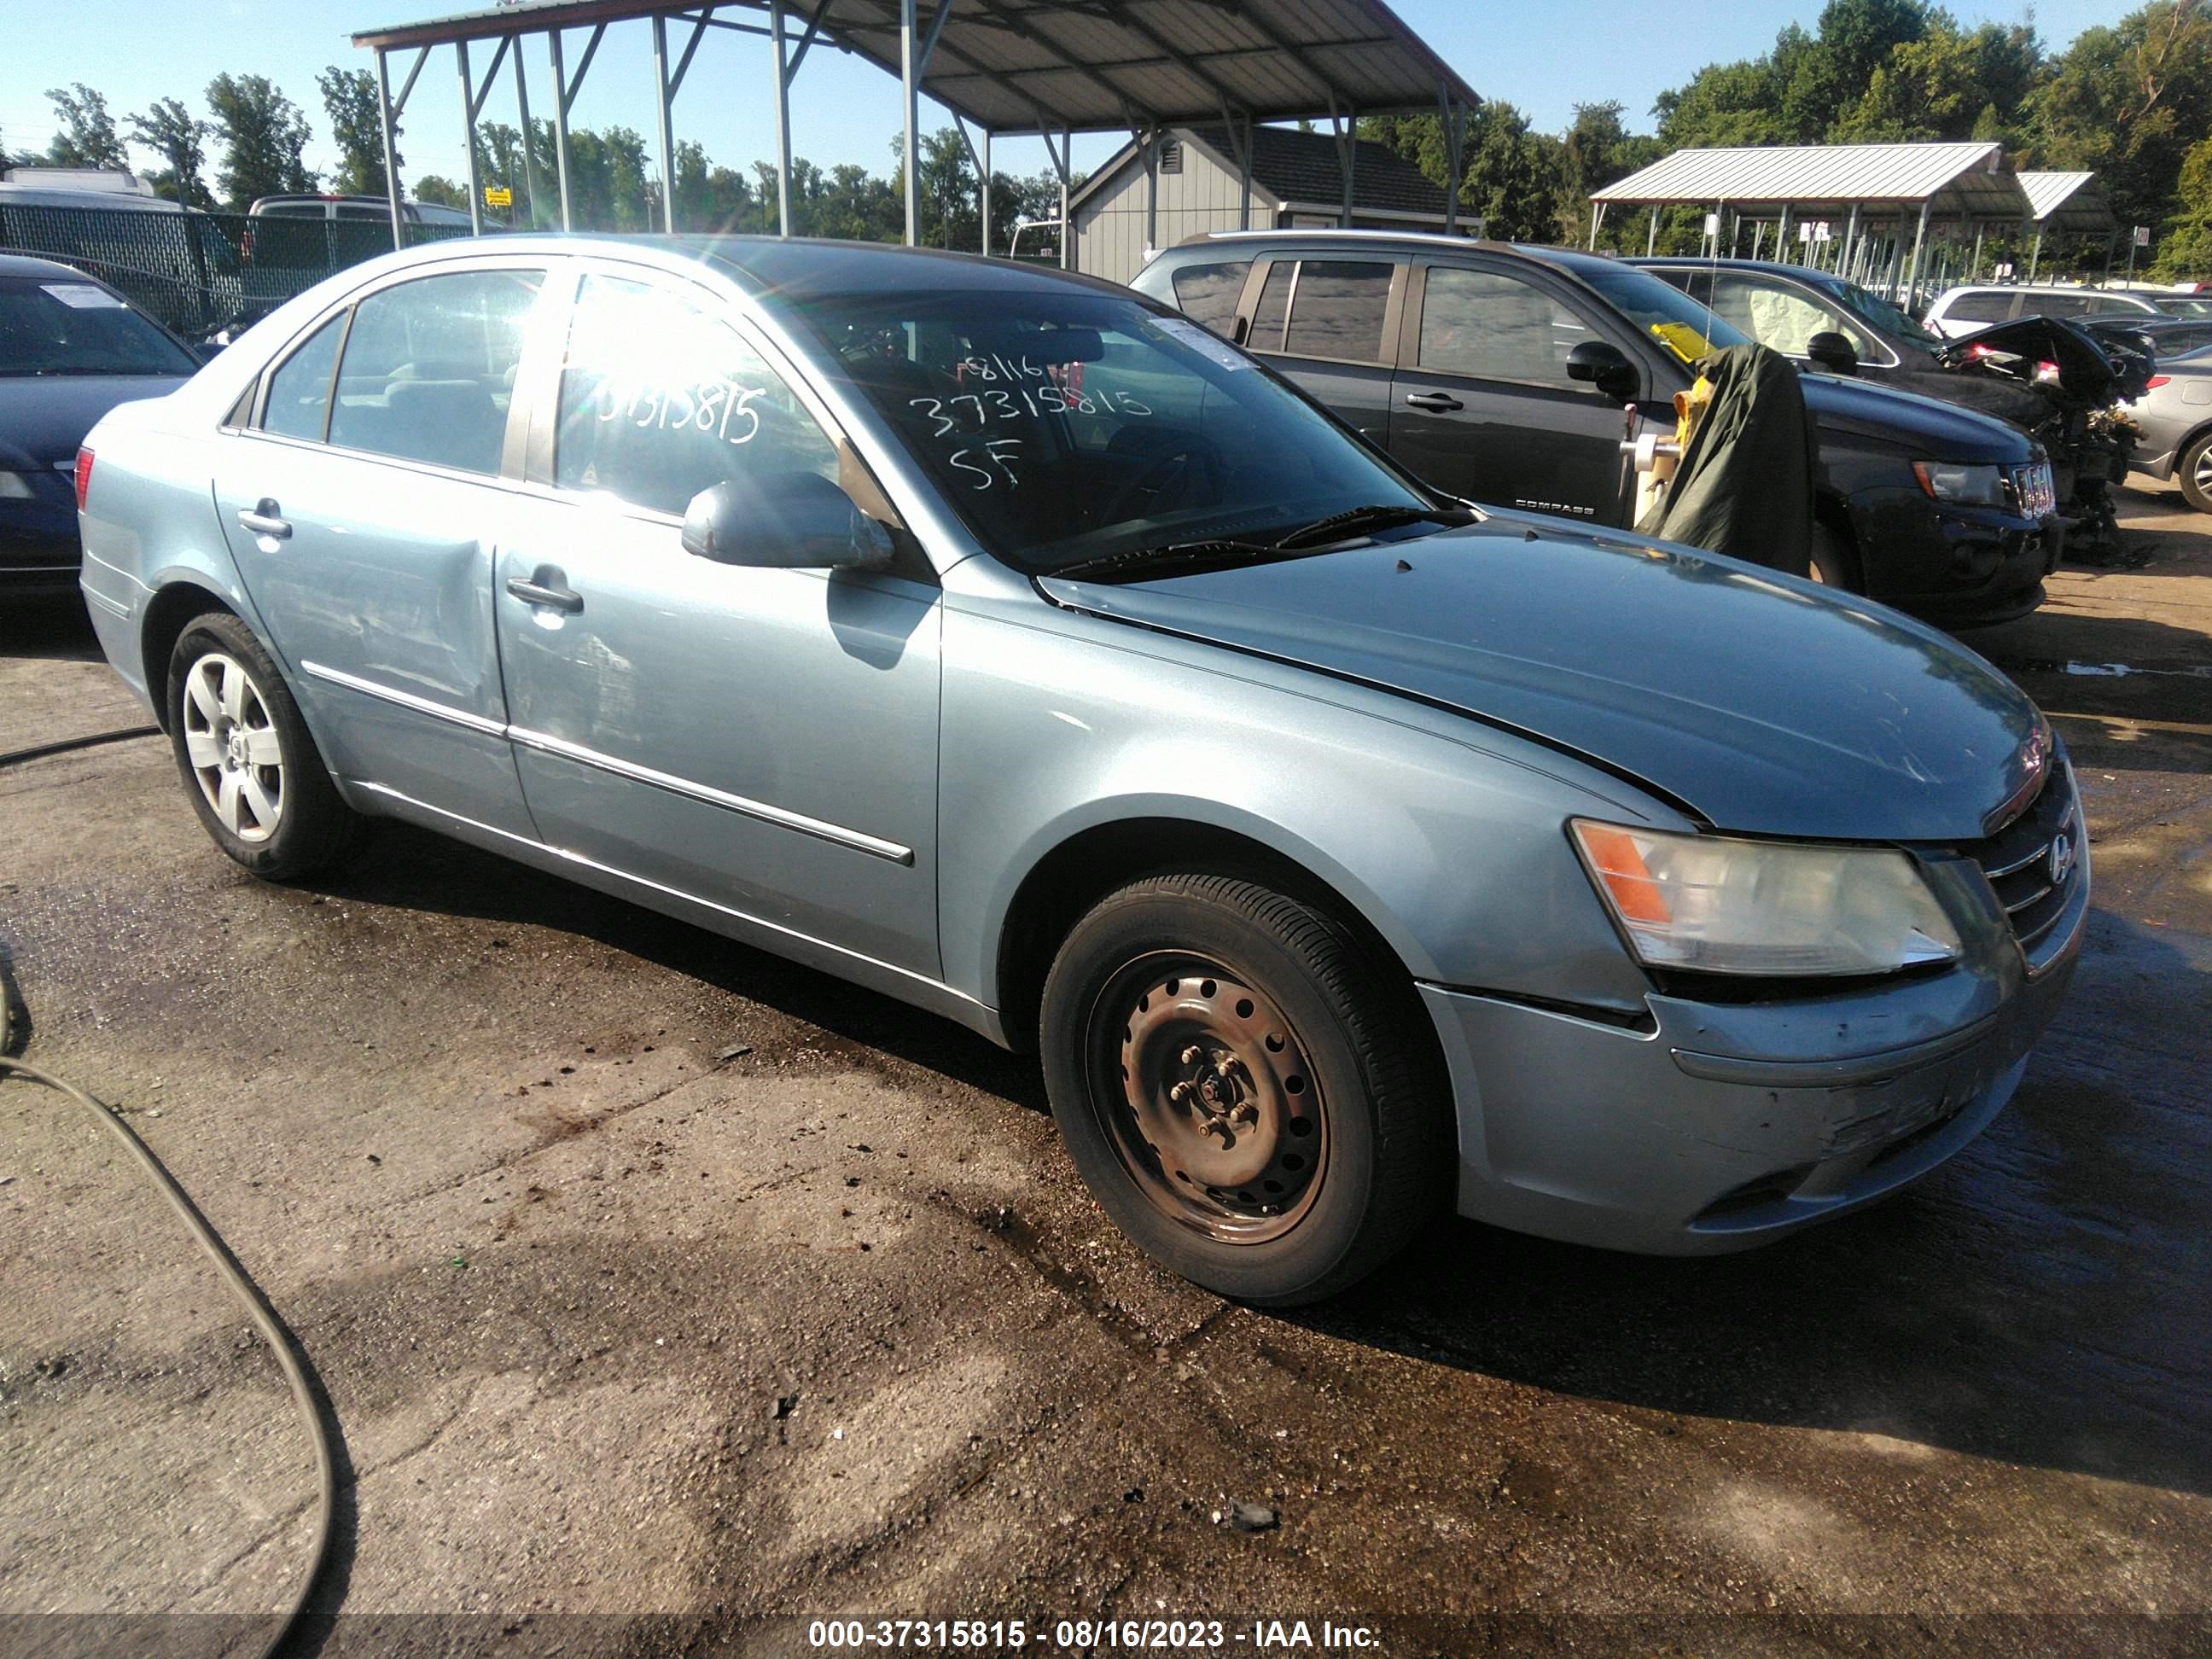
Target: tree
column 88, row 137
column 174, row 134
column 264, row 137
column 2128, row 102
column 442, row 191
column 349, row 98
column 1511, row 179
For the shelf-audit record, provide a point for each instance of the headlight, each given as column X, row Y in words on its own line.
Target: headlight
column 1961, row 484
column 15, row 487
column 1720, row 906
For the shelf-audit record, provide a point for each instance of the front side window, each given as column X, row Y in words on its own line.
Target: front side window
column 300, row 391
column 1490, row 326
column 429, row 367
column 661, row 400
column 1777, row 315
column 66, row 326
column 1065, row 425
column 1885, row 316
column 1208, row 294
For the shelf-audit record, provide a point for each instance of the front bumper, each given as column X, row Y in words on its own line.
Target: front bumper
column 1726, row 1126
column 1957, row 567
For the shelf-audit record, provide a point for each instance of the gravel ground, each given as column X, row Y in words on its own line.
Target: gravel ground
column 648, row 1275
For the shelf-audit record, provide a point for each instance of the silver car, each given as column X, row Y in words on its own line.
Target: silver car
column 2174, row 419
column 1006, row 642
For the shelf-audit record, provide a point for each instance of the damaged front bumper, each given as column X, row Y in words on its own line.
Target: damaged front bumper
column 1715, row 1127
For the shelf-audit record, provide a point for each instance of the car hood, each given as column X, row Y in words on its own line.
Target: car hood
column 1934, row 430
column 43, row 418
column 1762, row 703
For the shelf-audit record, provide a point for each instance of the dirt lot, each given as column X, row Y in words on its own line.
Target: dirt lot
column 649, row 1275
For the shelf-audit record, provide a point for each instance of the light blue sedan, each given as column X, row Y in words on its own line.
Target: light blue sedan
column 1006, row 642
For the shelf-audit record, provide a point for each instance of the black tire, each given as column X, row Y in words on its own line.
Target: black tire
column 1376, row 1152
column 2193, row 472
column 253, row 761
column 1835, row 561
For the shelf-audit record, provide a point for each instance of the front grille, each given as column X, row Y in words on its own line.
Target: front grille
column 2032, row 489
column 2031, row 874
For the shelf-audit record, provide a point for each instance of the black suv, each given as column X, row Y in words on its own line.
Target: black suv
column 1498, row 373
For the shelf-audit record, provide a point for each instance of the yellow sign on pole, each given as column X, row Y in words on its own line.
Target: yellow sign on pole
column 498, row 195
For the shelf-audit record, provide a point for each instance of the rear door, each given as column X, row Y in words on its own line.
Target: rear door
column 1481, row 404
column 1329, row 325
column 365, row 523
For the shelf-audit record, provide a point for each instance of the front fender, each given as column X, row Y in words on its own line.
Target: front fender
column 1448, row 836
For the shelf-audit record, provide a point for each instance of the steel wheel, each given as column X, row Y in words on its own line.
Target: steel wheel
column 1209, row 1100
column 232, row 747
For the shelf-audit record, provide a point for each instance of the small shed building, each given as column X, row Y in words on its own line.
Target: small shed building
column 1188, row 180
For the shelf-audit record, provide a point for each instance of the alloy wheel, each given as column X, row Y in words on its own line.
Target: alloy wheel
column 231, row 745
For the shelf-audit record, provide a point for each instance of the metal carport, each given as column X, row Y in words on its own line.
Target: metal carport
column 1054, row 68
column 1911, row 182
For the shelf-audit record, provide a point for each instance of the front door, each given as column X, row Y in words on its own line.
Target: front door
column 763, row 740
column 364, row 505
column 1481, row 404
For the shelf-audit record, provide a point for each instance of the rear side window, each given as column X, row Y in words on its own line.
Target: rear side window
column 1978, row 308
column 659, row 401
column 1491, row 326
column 1275, row 308
column 430, row 368
column 1207, row 294
column 1337, row 310
column 300, row 391
column 2059, row 305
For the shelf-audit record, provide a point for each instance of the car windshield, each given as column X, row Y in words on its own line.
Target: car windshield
column 1067, row 427
column 1671, row 317
column 1889, row 319
column 67, row 325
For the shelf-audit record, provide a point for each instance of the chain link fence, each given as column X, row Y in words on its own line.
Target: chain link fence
column 201, row 273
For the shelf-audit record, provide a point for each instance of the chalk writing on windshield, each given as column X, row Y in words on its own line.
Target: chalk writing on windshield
column 989, row 463
column 707, row 406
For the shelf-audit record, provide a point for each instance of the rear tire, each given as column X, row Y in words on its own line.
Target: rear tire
column 249, row 767
column 1243, row 1088
column 2193, row 472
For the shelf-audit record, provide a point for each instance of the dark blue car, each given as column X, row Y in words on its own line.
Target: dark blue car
column 71, row 349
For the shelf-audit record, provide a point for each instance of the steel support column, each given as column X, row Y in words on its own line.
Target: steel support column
column 1850, row 241
column 391, row 161
column 522, row 109
column 1066, row 225
column 661, row 102
column 1149, row 139
column 1652, row 237
column 910, row 94
column 1919, row 245
column 469, row 138
column 782, row 121
column 984, row 173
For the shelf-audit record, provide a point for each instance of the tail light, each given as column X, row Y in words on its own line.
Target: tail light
column 246, row 243
column 2156, row 381
column 83, row 477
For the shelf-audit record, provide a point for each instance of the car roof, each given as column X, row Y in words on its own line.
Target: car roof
column 794, row 270
column 1770, row 267
column 1561, row 259
column 24, row 264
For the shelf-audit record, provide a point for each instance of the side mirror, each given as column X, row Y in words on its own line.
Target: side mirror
column 1833, row 352
column 784, row 521
column 1607, row 367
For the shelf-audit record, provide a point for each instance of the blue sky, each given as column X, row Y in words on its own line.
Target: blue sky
column 1544, row 57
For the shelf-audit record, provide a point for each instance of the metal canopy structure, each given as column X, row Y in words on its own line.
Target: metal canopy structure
column 1054, row 68
column 1905, row 184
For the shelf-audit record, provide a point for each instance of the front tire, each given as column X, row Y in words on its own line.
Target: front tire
column 1835, row 562
column 249, row 767
column 2193, row 472
column 1246, row 1090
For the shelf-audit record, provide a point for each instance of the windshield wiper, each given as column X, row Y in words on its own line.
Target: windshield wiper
column 1183, row 556
column 1359, row 520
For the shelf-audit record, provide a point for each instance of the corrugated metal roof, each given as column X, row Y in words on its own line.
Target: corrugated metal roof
column 2067, row 200
column 1968, row 178
column 1294, row 167
column 1020, row 65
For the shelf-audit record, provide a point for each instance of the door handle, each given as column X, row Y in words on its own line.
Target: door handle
column 263, row 519
column 1442, row 402
column 546, row 586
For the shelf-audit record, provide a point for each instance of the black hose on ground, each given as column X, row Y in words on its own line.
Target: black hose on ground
column 241, row 1286
column 70, row 745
